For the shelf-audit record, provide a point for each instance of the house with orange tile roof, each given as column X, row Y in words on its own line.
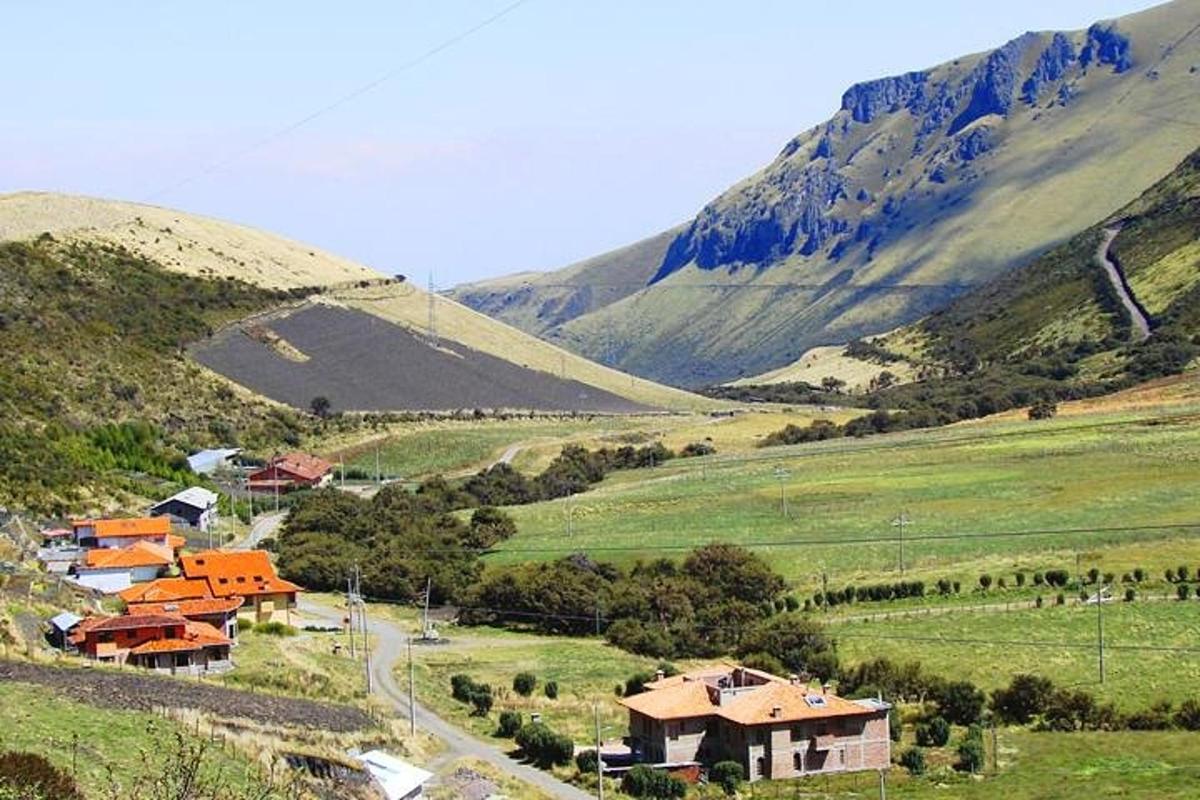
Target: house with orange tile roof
column 121, row 532
column 774, row 727
column 219, row 612
column 161, row 642
column 248, row 574
column 291, row 471
column 142, row 561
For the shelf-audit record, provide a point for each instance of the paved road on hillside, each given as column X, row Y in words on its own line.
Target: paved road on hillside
column 1141, row 325
column 264, row 527
column 509, row 454
column 390, row 650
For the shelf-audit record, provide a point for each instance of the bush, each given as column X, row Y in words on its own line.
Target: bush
column 244, row 624
column 1169, row 574
column 1060, row 599
column 1038, row 579
column 1058, row 577
column 1039, row 601
column 934, row 733
column 1182, row 573
column 960, row 702
column 1130, row 595
column 913, row 760
column 587, row 762
column 636, row 683
column 985, row 582
column 1043, row 409
column 524, row 683
column 275, row 629
column 1020, row 578
column 510, row 723
column 481, row 700
column 642, row 781
column 1139, row 574
column 895, row 725
column 1188, row 715
column 728, row 775
column 1182, row 591
column 551, row 690
column 1023, row 698
column 1093, row 575
column 543, row 746
column 29, row 776
column 970, row 754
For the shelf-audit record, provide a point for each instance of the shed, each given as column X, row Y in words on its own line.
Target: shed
column 206, row 462
column 61, row 626
column 398, row 779
column 196, row 506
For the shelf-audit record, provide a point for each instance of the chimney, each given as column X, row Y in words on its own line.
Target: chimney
column 825, row 687
column 794, row 679
column 776, row 712
column 659, row 674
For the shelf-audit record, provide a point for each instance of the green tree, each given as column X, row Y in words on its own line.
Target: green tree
column 913, row 760
column 961, row 703
column 728, row 775
column 524, row 683
column 1023, row 698
column 510, row 723
column 934, row 733
column 799, row 643
column 320, row 406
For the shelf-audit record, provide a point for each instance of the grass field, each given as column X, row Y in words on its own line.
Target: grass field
column 35, row 720
column 1058, row 642
column 302, row 666
column 1101, row 474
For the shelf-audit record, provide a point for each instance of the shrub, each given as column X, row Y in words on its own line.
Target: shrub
column 244, row 624
column 275, row 628
column 1110, row 578
column 510, row 723
column 1020, row 578
column 960, row 702
column 636, row 683
column 543, row 746
column 1058, row 577
column 895, row 725
column 1023, row 698
column 642, row 781
column 460, row 687
column 1182, row 573
column 1038, row 579
column 985, row 581
column 1130, row 595
column 970, row 754
column 524, row 683
column 481, row 700
column 913, row 760
column 1060, row 599
column 1093, row 575
column 1139, row 574
column 587, row 762
column 1043, row 409
column 1188, row 715
column 728, row 775
column 934, row 733
column 29, row 776
column 1156, row 718
column 1039, row 601
column 1169, row 574
column 551, row 690
column 1001, row 583
column 1182, row 591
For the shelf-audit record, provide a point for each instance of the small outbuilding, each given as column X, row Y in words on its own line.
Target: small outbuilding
column 398, row 779
column 196, row 506
column 206, row 462
column 61, row 626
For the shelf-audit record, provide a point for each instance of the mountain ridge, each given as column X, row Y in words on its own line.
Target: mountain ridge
column 920, row 186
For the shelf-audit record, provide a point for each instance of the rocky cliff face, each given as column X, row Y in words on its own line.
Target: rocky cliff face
column 818, row 197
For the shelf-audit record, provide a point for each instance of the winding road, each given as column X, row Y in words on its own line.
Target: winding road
column 1141, row 325
column 390, row 649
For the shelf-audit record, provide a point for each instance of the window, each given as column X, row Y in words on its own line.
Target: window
column 673, row 730
column 241, row 578
column 815, row 700
column 761, row 766
column 797, row 733
column 758, row 736
column 798, row 762
column 222, row 580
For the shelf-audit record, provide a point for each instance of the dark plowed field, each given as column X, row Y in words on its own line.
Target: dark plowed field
column 363, row 363
column 142, row 691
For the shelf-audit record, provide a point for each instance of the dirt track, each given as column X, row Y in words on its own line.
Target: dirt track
column 1141, row 325
column 141, row 691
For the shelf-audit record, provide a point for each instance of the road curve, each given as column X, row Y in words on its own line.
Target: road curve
column 1141, row 325
column 390, row 650
column 263, row 527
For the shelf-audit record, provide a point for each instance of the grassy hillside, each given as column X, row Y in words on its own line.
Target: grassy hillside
column 920, row 187
column 539, row 301
column 208, row 248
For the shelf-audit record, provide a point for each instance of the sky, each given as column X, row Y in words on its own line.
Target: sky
column 560, row 130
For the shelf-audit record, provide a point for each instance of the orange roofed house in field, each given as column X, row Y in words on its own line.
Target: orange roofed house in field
column 91, row 533
column 221, row 575
column 774, row 727
column 162, row 642
column 291, row 471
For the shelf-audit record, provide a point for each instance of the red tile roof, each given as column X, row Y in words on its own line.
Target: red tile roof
column 302, row 465
column 138, row 526
column 189, row 608
column 165, row 590
column 165, row 646
column 126, row 622
column 236, row 573
column 205, row 635
column 138, row 554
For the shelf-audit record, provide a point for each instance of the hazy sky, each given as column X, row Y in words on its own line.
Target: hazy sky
column 564, row 129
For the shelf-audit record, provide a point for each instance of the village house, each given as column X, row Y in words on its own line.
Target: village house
column 195, row 507
column 219, row 612
column 90, row 533
column 223, row 574
column 291, row 471
column 141, row 561
column 774, row 727
column 161, row 642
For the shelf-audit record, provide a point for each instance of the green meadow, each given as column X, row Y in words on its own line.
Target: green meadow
column 970, row 492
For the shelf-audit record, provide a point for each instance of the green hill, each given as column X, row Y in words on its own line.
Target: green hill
column 919, row 188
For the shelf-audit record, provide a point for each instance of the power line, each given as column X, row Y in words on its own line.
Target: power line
column 219, row 164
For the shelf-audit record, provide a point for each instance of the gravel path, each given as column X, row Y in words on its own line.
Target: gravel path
column 1141, row 325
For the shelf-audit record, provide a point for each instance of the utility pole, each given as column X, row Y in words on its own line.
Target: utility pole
column 900, row 523
column 378, row 474
column 1100, row 628
column 599, row 763
column 350, row 612
column 362, row 618
column 882, row 784
column 824, row 588
column 570, row 516
column 412, row 691
column 432, row 318
column 780, row 474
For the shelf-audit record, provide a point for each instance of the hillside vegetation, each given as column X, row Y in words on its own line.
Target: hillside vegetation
column 94, row 386
column 920, row 187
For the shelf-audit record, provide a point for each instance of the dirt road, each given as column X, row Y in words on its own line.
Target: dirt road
column 1141, row 325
